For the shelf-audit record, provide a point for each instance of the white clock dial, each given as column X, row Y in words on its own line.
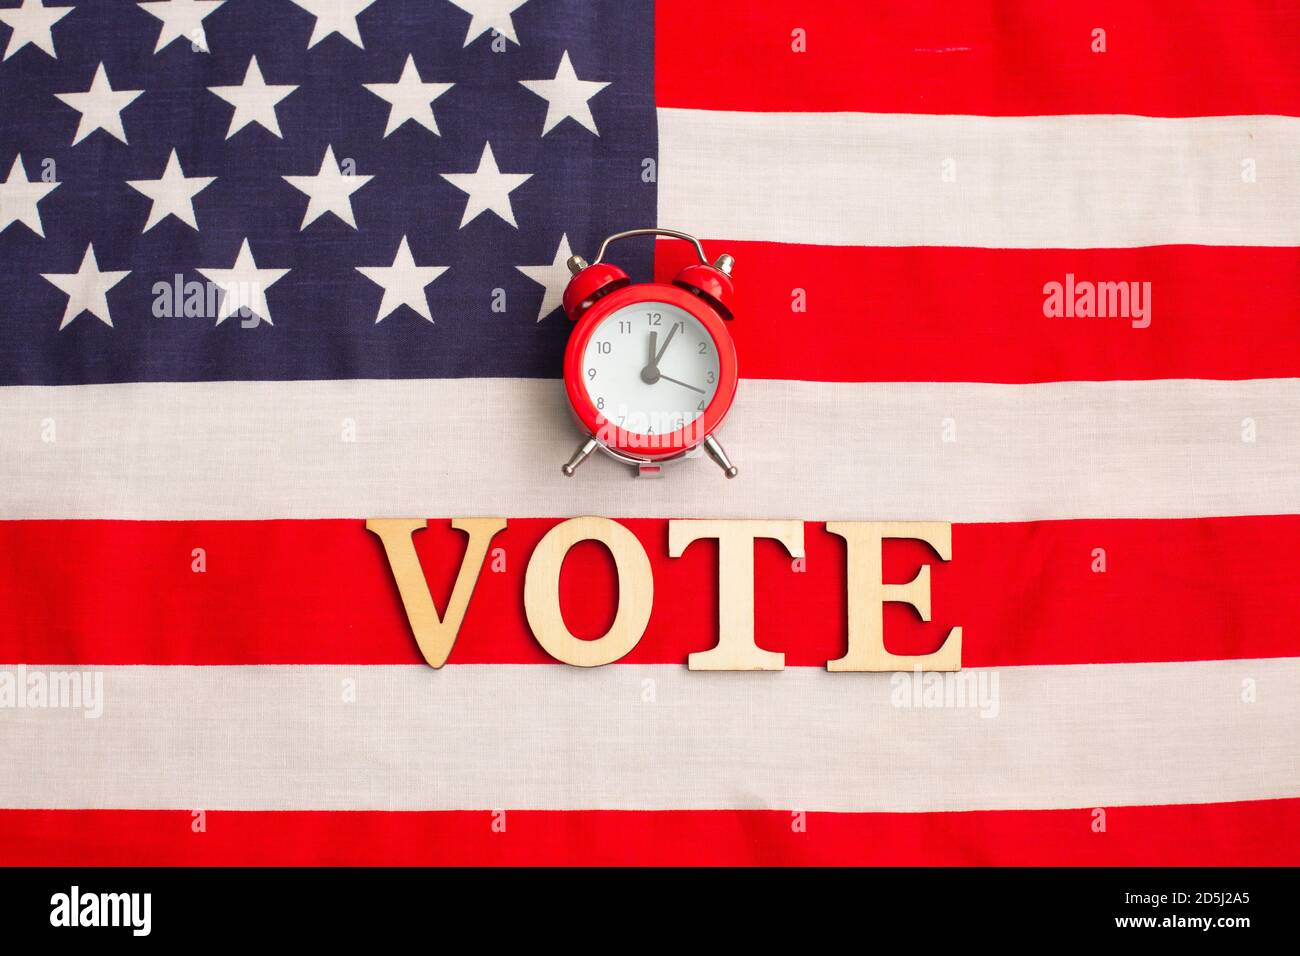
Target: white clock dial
column 651, row 368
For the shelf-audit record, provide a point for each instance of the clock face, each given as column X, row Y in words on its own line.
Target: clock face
column 651, row 368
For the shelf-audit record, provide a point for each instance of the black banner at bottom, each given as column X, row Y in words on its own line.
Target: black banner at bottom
column 334, row 905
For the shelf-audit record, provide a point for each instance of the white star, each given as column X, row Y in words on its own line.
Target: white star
column 31, row 24
column 488, row 188
column 172, row 193
column 181, row 19
column 244, row 285
column 86, row 288
column 18, row 199
column 489, row 15
column 403, row 283
column 410, row 98
column 566, row 96
column 335, row 16
column 330, row 191
column 253, row 100
column 100, row 107
column 554, row 277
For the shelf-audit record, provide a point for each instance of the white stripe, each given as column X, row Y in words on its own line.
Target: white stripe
column 1023, row 182
column 558, row 738
column 446, row 448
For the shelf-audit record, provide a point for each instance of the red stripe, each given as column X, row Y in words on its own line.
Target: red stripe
column 1222, row 834
column 320, row 592
column 1191, row 58
column 928, row 314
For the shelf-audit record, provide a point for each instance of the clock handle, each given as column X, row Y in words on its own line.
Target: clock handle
column 671, row 233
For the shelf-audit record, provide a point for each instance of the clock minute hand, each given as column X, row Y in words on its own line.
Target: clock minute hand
column 682, row 384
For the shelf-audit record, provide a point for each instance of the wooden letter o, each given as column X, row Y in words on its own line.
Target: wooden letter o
column 542, row 592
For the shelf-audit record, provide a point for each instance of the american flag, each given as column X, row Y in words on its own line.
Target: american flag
column 269, row 268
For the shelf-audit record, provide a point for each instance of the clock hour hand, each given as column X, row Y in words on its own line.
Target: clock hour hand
column 682, row 384
column 650, row 374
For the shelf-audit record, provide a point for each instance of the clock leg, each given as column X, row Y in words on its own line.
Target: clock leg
column 717, row 454
column 579, row 456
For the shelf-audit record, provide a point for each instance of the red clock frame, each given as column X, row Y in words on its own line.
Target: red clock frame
column 650, row 447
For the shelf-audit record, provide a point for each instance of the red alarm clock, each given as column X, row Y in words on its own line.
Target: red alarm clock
column 650, row 369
